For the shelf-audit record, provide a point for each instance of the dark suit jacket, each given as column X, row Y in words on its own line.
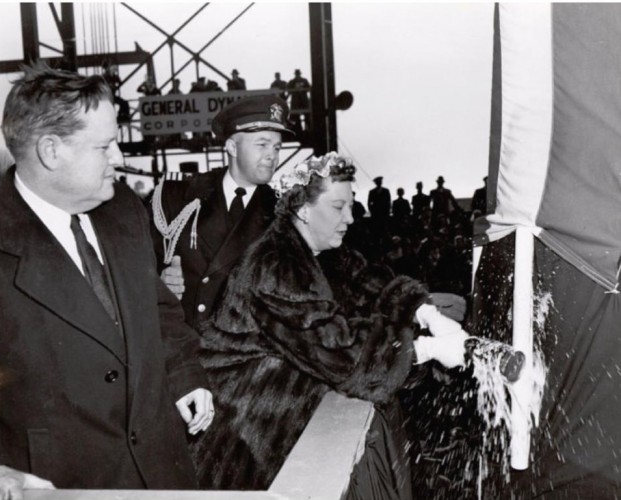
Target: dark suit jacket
column 219, row 246
column 79, row 405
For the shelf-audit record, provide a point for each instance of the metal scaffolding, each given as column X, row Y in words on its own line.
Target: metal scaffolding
column 319, row 138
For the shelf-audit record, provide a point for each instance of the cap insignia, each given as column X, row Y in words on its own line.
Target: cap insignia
column 276, row 112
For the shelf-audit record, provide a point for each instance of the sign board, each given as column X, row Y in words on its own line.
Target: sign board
column 173, row 114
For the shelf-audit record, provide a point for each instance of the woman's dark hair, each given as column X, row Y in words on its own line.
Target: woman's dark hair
column 292, row 200
column 48, row 101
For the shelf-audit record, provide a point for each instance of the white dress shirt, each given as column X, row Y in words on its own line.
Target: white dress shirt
column 229, row 186
column 58, row 222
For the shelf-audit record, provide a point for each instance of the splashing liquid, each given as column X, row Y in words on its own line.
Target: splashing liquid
column 494, row 367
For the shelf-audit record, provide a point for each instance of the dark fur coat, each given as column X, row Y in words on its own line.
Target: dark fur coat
column 279, row 341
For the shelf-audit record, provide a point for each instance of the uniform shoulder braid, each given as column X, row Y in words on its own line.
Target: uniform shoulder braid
column 172, row 231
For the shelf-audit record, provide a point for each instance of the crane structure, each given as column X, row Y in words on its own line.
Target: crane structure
column 318, row 137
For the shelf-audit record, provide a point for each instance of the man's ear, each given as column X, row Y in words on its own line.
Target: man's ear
column 231, row 147
column 48, row 151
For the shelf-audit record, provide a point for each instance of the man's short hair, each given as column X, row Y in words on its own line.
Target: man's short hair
column 48, row 101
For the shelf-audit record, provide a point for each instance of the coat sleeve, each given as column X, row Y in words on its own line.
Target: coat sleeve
column 365, row 357
column 181, row 345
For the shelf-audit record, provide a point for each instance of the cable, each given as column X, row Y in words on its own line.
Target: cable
column 84, row 34
column 350, row 154
column 106, row 29
column 102, row 42
column 92, row 20
column 116, row 39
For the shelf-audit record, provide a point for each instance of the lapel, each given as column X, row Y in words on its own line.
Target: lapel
column 122, row 246
column 212, row 227
column 253, row 222
column 208, row 188
column 47, row 274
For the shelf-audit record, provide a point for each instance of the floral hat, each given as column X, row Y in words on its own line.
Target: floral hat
column 302, row 172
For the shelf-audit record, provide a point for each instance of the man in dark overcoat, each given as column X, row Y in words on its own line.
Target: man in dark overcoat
column 201, row 227
column 442, row 200
column 379, row 201
column 94, row 352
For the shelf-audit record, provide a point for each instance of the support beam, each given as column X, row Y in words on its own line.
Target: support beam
column 30, row 31
column 322, row 89
column 67, row 34
column 84, row 61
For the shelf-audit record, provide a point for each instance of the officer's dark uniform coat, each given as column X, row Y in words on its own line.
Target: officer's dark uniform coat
column 79, row 405
column 219, row 243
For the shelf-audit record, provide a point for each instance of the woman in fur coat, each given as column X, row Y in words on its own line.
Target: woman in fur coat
column 284, row 336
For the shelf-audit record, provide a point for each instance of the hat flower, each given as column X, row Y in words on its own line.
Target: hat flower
column 302, row 172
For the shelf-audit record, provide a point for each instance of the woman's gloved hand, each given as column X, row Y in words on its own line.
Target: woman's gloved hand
column 428, row 316
column 448, row 349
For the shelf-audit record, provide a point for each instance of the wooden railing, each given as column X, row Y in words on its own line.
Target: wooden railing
column 318, row 467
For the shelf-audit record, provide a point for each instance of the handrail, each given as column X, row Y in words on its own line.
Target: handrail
column 318, row 467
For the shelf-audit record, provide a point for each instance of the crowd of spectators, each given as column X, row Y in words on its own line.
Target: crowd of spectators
column 429, row 239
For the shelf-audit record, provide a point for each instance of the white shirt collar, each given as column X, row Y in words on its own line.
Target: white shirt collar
column 58, row 222
column 229, row 186
column 50, row 214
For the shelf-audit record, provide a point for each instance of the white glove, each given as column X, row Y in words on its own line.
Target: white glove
column 448, row 349
column 439, row 325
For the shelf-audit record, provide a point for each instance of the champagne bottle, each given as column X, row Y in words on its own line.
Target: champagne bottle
column 509, row 361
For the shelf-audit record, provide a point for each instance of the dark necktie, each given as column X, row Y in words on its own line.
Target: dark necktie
column 93, row 269
column 237, row 206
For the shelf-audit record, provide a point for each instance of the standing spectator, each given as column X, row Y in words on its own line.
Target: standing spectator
column 280, row 85
column 358, row 211
column 379, row 206
column 236, row 82
column 400, row 214
column 358, row 235
column 379, row 201
column 199, row 85
column 212, row 86
column 299, row 88
column 401, row 207
column 203, row 85
column 94, row 351
column 223, row 211
column 420, row 201
column 442, row 200
column 479, row 198
column 148, row 87
column 175, row 89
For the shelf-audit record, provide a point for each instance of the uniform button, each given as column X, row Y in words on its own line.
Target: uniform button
column 111, row 376
column 205, row 280
column 201, row 308
column 133, row 438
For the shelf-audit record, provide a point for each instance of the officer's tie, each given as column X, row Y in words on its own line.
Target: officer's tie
column 237, row 206
column 93, row 269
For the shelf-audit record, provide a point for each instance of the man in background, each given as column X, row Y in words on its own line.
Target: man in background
column 442, row 200
column 298, row 88
column 222, row 211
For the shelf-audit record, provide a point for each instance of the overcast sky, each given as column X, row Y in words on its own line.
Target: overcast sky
column 420, row 73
